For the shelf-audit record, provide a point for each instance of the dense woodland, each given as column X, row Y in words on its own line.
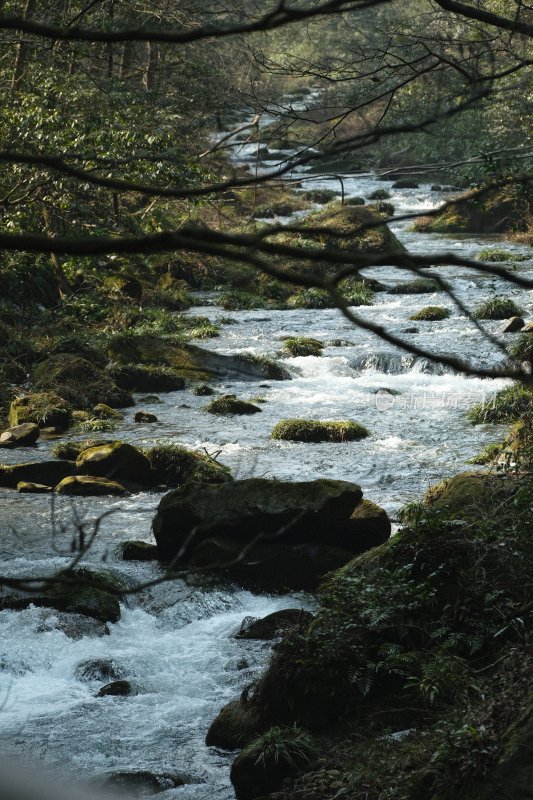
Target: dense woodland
column 122, row 195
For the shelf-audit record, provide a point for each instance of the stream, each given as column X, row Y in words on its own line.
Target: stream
column 174, row 641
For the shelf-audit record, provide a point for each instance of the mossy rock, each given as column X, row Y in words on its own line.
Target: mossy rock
column 235, row 725
column 304, row 511
column 25, row 487
column 69, row 451
column 347, row 229
column 379, row 194
column 147, row 378
column 91, row 593
column 103, row 411
column 79, row 346
column 508, row 405
column 137, row 551
column 501, row 209
column 497, row 308
column 24, row 435
column 48, row 473
column 469, row 493
column 116, row 460
column 431, row 314
column 192, row 362
column 89, row 486
column 302, row 430
column 321, row 195
column 274, row 625
column 229, row 404
column 405, row 183
column 45, row 409
column 303, row 346
column 173, row 465
column 82, row 383
column 417, row 286
column 145, row 417
column 203, row 390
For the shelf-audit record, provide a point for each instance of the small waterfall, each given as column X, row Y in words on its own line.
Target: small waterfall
column 398, row 364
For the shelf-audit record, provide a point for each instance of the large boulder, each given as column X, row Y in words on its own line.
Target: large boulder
column 47, row 473
column 282, row 512
column 192, row 362
column 115, row 461
column 45, row 409
column 92, row 594
column 279, row 623
column 24, row 435
column 235, row 725
column 83, row 383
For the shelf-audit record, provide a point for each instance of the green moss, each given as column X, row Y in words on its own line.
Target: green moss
column 175, row 465
column 229, row 404
column 302, row 430
column 507, row 405
column 522, row 348
column 489, row 454
column 204, row 332
column 497, row 308
column 82, row 383
column 417, row 286
column 43, row 408
column 69, row 451
column 147, row 377
column 494, row 254
column 431, row 314
column 302, row 346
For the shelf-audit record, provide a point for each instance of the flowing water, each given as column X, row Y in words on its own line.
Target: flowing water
column 174, row 641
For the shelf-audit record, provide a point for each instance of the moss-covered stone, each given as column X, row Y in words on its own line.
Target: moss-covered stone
column 147, row 378
column 70, row 450
column 203, row 390
column 497, row 308
column 137, row 551
column 500, row 209
column 116, row 460
column 89, row 486
column 302, row 430
column 42, row 408
column 229, row 404
column 173, row 465
column 469, row 493
column 416, row 286
column 48, row 473
column 24, row 435
column 103, row 411
column 145, row 417
column 235, row 726
column 303, row 346
column 431, row 314
column 82, row 383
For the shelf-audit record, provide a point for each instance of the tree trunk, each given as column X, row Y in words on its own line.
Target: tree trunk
column 21, row 53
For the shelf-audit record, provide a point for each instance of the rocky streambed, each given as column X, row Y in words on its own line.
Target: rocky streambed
column 174, row 642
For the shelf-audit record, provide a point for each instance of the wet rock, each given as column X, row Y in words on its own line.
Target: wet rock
column 138, row 551
column 405, row 183
column 48, row 473
column 89, row 486
column 173, row 465
column 289, row 511
column 147, row 378
column 274, row 625
column 117, row 461
column 145, row 416
column 116, row 689
column 87, row 592
column 142, row 783
column 75, row 626
column 369, row 526
column 192, row 362
column 98, row 669
column 82, row 382
column 23, row 435
column 42, row 408
column 103, row 411
column 25, row 487
column 528, row 328
column 203, row 390
column 512, row 325
column 234, row 726
column 229, row 404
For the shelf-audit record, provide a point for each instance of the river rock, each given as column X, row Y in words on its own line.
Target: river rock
column 512, row 325
column 25, row 487
column 84, row 592
column 141, row 783
column 97, row 669
column 116, row 689
column 145, row 417
column 82, row 382
column 528, row 328
column 89, row 486
column 234, row 726
column 274, row 625
column 288, row 511
column 138, row 551
column 48, row 473
column 23, row 435
column 42, row 408
column 116, row 461
column 270, row 567
column 192, row 362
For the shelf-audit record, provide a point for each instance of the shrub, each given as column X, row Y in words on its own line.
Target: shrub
column 291, row 745
column 302, row 430
column 507, row 405
column 302, row 346
column 497, row 308
column 431, row 314
column 229, row 404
